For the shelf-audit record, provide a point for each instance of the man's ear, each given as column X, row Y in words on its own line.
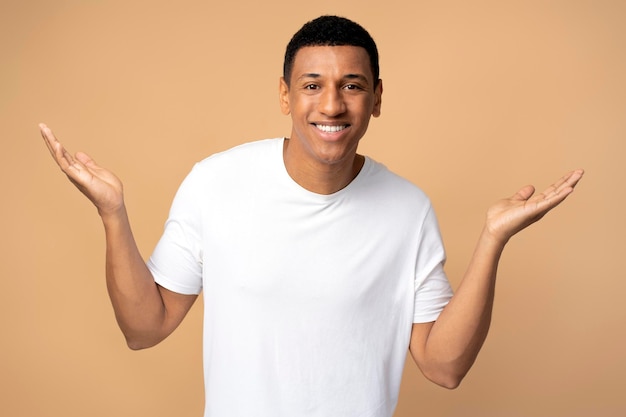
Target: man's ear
column 378, row 93
column 283, row 96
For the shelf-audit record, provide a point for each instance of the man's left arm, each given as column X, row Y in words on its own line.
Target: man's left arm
column 445, row 349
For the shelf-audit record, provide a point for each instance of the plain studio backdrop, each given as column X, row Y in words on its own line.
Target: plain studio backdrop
column 480, row 98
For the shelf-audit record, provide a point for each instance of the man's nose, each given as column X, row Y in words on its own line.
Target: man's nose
column 331, row 102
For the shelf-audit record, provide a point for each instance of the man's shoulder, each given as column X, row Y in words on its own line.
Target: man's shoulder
column 238, row 160
column 240, row 164
column 392, row 182
column 256, row 150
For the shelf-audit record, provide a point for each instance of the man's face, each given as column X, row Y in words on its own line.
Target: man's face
column 331, row 97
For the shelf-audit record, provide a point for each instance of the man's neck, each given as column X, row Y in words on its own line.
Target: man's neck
column 320, row 177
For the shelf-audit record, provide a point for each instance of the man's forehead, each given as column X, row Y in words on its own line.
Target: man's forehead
column 309, row 57
column 325, row 49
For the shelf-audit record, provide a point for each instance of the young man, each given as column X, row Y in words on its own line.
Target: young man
column 319, row 266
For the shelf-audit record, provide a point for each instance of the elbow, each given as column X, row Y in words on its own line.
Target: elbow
column 136, row 345
column 450, row 383
column 138, row 342
column 449, row 379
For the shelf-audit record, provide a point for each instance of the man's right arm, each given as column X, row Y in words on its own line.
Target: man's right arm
column 146, row 312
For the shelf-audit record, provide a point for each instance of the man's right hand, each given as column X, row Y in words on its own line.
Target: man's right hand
column 100, row 186
column 146, row 312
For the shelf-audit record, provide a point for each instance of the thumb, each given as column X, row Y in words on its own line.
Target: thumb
column 85, row 159
column 524, row 193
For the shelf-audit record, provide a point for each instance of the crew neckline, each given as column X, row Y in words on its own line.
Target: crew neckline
column 311, row 194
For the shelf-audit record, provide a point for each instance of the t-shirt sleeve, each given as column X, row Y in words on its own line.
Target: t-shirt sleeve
column 432, row 288
column 176, row 263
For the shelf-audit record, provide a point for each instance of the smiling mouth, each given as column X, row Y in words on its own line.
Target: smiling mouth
column 331, row 129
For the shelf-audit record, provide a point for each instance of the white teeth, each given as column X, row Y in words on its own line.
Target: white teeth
column 331, row 129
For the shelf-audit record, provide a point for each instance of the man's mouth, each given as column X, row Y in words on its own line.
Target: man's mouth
column 331, row 128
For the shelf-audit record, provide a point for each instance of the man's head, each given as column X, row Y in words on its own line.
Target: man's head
column 330, row 31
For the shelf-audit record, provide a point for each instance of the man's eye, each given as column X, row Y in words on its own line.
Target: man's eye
column 352, row 87
column 311, row 87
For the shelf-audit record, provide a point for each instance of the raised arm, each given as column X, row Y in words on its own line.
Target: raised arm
column 145, row 311
column 446, row 349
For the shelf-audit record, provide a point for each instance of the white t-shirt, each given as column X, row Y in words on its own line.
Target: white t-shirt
column 309, row 298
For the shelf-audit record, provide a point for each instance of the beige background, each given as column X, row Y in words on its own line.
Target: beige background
column 480, row 98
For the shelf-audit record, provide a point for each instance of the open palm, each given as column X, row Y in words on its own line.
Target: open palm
column 510, row 215
column 101, row 186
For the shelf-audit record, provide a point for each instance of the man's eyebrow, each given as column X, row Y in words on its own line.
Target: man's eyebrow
column 359, row 77
column 310, row 75
column 349, row 76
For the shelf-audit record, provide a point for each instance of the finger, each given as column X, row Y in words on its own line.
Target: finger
column 49, row 138
column 524, row 193
column 556, row 194
column 63, row 158
column 57, row 150
column 564, row 185
column 85, row 159
column 575, row 176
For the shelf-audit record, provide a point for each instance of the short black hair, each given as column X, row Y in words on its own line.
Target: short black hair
column 331, row 31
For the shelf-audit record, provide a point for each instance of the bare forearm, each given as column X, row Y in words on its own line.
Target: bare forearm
column 136, row 299
column 460, row 331
column 146, row 312
column 446, row 349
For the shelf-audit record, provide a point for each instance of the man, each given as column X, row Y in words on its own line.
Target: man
column 319, row 266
